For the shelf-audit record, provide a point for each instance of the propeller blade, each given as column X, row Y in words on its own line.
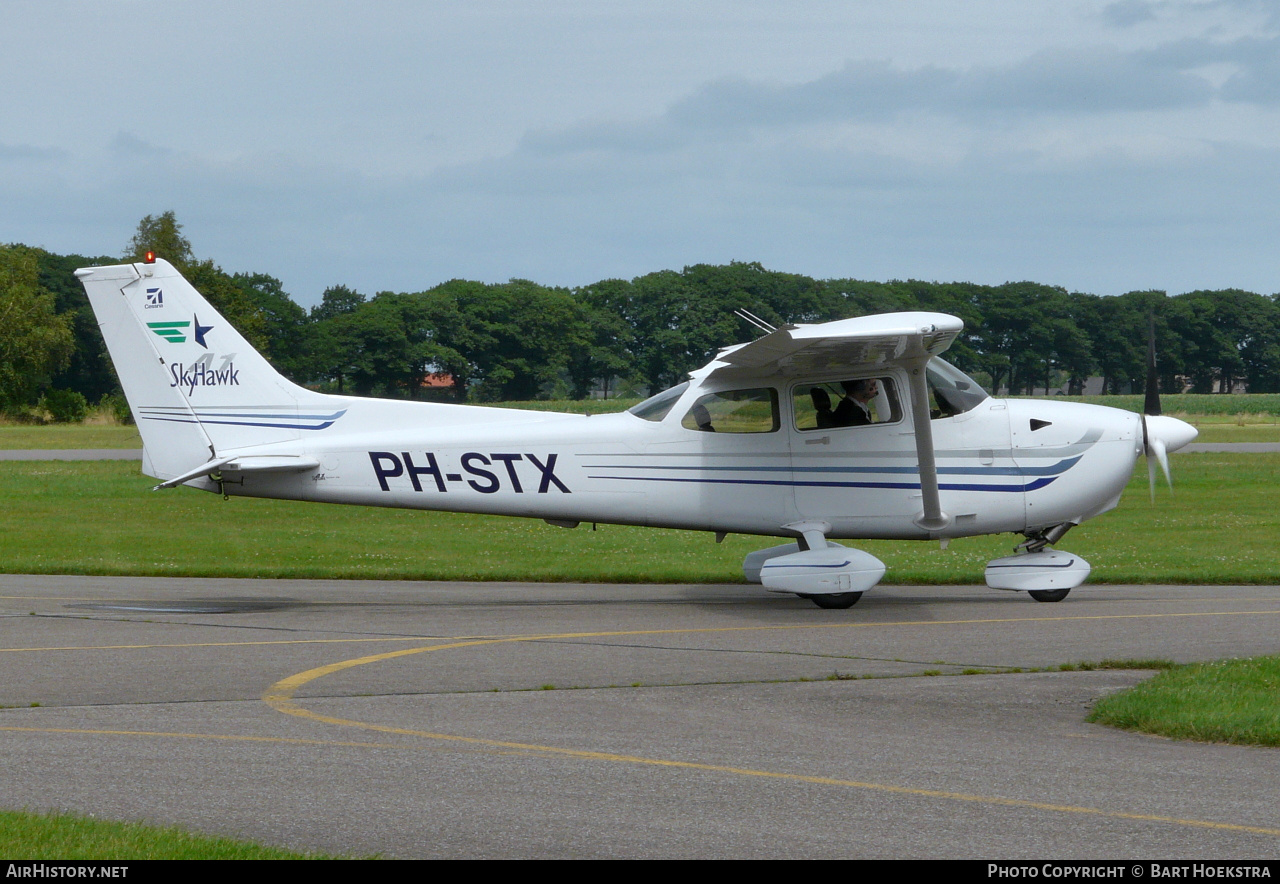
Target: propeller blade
column 1151, row 477
column 1151, row 404
column 1163, row 457
column 1161, row 435
column 1151, row 464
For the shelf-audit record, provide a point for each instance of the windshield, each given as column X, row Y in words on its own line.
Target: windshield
column 951, row 391
column 655, row 408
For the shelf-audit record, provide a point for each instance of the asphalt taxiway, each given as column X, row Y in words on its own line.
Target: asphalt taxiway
column 533, row 720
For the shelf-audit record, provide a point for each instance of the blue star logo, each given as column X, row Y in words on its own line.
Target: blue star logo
column 201, row 330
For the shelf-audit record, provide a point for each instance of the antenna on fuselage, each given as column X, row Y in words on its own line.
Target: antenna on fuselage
column 755, row 320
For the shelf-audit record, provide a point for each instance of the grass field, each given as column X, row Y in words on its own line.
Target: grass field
column 68, row 837
column 1235, row 432
column 31, row 436
column 1226, row 701
column 1219, row 527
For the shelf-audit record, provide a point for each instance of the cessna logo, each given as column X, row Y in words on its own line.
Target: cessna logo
column 155, row 298
column 481, row 472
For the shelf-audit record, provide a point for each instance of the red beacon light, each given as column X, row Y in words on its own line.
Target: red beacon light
column 149, row 257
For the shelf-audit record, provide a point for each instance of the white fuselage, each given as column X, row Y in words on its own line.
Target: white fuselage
column 996, row 474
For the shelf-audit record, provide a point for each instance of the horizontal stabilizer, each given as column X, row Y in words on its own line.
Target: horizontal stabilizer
column 278, row 463
column 202, row 470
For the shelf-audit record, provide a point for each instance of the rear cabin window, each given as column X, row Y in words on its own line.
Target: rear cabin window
column 858, row 402
column 734, row 411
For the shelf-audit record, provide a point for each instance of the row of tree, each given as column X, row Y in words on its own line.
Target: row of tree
column 522, row 340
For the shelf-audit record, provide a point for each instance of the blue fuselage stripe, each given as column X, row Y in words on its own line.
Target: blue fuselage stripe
column 1052, row 470
column 906, row 486
column 180, row 420
column 786, row 565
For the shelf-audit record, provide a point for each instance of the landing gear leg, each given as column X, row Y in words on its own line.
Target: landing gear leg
column 1037, row 541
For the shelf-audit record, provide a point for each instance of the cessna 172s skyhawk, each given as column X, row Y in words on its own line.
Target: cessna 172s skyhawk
column 840, row 430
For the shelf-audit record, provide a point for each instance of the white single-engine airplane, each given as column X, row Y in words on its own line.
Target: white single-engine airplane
column 847, row 429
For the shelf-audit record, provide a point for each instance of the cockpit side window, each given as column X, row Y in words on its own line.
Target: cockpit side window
column 857, row 402
column 735, row 411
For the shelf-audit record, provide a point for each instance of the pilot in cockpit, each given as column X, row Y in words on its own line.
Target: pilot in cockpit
column 854, row 409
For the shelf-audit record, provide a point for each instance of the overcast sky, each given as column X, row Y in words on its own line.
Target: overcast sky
column 1100, row 146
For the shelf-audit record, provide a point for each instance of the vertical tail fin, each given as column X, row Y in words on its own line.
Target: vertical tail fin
column 196, row 387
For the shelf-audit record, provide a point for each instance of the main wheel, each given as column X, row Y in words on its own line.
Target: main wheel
column 1049, row 595
column 835, row 601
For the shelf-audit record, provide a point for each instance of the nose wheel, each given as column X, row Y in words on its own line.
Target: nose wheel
column 835, row 601
column 1049, row 595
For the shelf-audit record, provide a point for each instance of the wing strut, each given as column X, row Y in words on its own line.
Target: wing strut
column 932, row 518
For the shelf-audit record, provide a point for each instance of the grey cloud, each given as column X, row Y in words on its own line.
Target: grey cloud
column 859, row 90
column 1258, row 80
column 1256, row 59
column 1128, row 13
column 1258, row 84
column 30, row 152
column 1076, row 81
column 126, row 145
column 1088, row 80
column 1191, row 52
column 1182, row 8
column 632, row 137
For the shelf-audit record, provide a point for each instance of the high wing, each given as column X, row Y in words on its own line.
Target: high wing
column 846, row 345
